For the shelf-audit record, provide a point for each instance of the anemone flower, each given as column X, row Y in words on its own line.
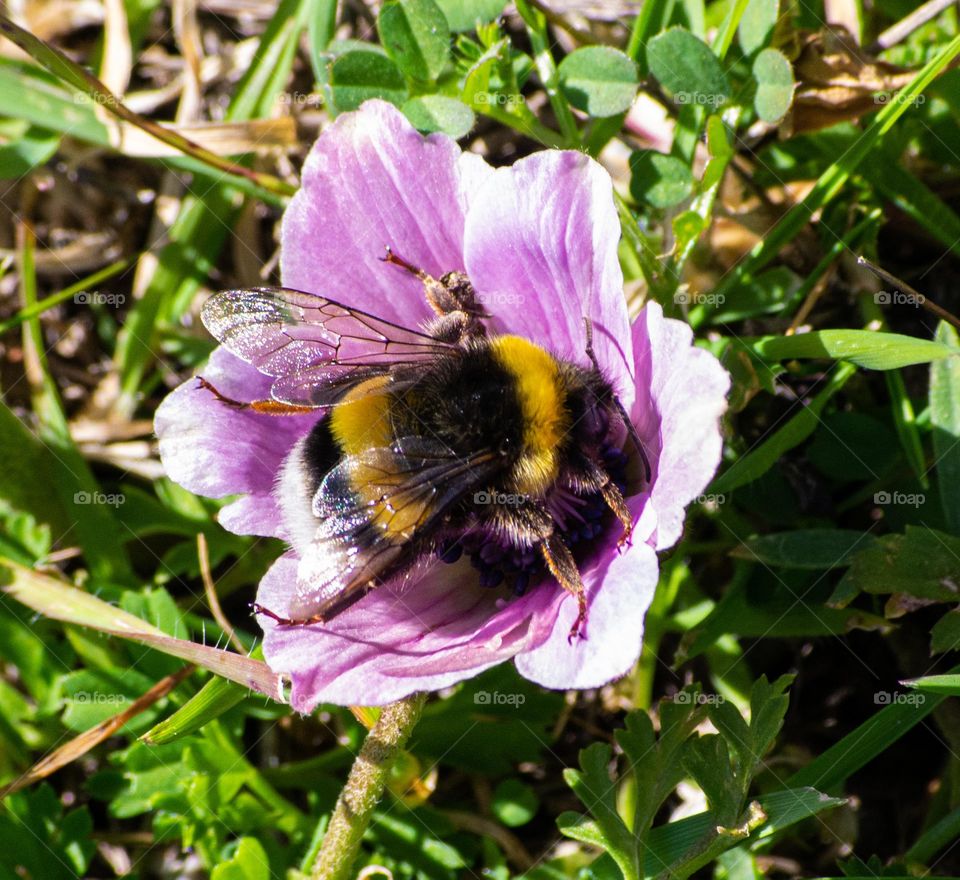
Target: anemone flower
column 538, row 240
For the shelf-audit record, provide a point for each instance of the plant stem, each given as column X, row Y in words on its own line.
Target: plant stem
column 364, row 787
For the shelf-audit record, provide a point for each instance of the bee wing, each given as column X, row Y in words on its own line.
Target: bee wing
column 315, row 348
column 375, row 508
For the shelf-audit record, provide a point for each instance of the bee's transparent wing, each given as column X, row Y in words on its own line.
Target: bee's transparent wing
column 377, row 511
column 315, row 347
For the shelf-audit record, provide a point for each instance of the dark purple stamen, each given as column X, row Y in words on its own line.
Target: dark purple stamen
column 580, row 519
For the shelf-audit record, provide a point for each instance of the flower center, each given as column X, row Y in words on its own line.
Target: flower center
column 579, row 520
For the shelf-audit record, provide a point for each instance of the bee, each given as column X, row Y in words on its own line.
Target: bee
column 421, row 430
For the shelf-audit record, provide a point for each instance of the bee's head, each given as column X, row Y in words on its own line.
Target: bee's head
column 590, row 401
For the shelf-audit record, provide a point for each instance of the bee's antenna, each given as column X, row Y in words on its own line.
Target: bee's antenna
column 624, row 417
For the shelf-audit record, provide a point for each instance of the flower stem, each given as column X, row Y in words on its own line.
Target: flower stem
column 364, row 787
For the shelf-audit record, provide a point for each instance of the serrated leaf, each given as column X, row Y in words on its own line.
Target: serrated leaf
column 707, row 760
column 687, row 68
column 774, row 78
column 658, row 179
column 599, row 80
column 416, row 36
column 430, row 113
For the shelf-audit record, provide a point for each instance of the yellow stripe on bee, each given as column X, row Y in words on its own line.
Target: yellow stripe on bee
column 546, row 419
column 361, row 420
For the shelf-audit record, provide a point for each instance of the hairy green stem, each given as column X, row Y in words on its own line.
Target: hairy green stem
column 364, row 788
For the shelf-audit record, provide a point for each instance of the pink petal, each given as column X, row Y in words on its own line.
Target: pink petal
column 371, row 181
column 393, row 642
column 620, row 587
column 215, row 450
column 541, row 249
column 681, row 394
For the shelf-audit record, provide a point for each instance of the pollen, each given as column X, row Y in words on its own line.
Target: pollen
column 543, row 403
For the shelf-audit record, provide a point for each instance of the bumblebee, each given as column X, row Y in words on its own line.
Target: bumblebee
column 432, row 440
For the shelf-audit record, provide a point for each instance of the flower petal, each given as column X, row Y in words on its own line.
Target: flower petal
column 620, row 588
column 392, row 643
column 371, row 181
column 213, row 449
column 541, row 249
column 681, row 394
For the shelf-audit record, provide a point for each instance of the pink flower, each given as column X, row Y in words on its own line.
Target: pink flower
column 539, row 242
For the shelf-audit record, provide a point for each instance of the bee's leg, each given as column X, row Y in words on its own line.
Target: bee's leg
column 452, row 296
column 613, row 498
column 624, row 417
column 257, row 608
column 267, row 407
column 563, row 567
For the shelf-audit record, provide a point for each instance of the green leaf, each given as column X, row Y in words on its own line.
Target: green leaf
column 416, row 36
column 249, row 862
column 71, row 605
column 599, row 80
column 774, row 78
column 707, row 760
column 430, row 113
column 361, row 74
column 830, row 768
column 865, row 348
column 812, row 549
column 921, row 563
column 463, row 15
column 945, row 421
column 216, row 697
column 658, row 179
column 763, row 457
column 947, row 685
column 24, row 153
column 668, row 843
column 687, row 68
column 39, row 840
column 514, row 803
column 756, row 27
column 945, row 634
